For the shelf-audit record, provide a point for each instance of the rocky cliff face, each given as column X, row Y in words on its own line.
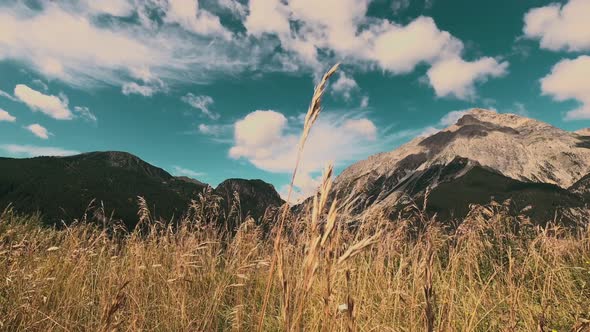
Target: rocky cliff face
column 513, row 147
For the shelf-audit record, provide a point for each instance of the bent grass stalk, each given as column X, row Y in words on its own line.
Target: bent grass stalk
column 313, row 112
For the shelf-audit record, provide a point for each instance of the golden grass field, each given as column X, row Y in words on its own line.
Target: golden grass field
column 313, row 271
column 495, row 273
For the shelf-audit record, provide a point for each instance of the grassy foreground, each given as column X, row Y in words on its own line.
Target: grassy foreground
column 494, row 273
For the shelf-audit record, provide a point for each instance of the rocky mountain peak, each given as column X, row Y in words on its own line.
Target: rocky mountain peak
column 514, row 146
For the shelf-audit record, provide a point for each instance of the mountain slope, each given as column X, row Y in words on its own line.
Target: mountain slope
column 524, row 154
column 255, row 196
column 62, row 187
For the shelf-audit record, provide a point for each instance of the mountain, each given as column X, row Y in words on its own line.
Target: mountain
column 61, row 188
column 484, row 156
column 255, row 196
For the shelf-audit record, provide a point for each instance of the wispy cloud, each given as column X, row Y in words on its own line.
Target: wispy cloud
column 67, row 41
column 181, row 171
column 85, row 114
column 202, row 103
column 7, row 95
column 16, row 150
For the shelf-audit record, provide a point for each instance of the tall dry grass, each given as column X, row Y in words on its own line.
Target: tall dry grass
column 313, row 271
column 495, row 273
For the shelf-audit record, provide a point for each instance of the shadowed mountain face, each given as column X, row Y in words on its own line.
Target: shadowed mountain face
column 62, row 187
column 485, row 156
column 255, row 196
column 544, row 171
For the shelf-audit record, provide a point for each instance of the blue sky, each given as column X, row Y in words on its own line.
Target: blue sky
column 215, row 89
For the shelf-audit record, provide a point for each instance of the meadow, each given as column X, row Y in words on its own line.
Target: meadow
column 320, row 269
column 495, row 272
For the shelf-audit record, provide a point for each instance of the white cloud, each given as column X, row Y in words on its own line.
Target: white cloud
column 570, row 80
column 400, row 48
column 41, row 84
column 201, row 103
column 65, row 41
column 53, row 106
column 560, row 27
column 344, row 86
column 457, row 77
column 364, row 102
column 267, row 16
column 16, row 150
column 151, row 84
column 181, row 171
column 342, row 30
column 38, row 130
column 183, row 44
column 270, row 141
column 5, row 116
column 236, row 8
column 363, row 127
column 121, row 8
column 188, row 14
column 520, row 109
column 40, row 39
column 85, row 114
column 452, row 117
column 215, row 130
column 7, row 95
column 304, row 186
column 134, row 88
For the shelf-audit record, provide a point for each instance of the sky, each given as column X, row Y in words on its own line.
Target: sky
column 217, row 89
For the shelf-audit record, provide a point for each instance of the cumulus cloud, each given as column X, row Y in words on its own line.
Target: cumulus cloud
column 188, row 14
column 560, row 27
column 5, row 116
column 187, row 42
column 422, row 42
column 457, row 77
column 201, row 103
column 53, row 106
column 17, row 150
column 342, row 28
column 269, row 140
column 38, row 130
column 267, row 16
column 570, row 80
